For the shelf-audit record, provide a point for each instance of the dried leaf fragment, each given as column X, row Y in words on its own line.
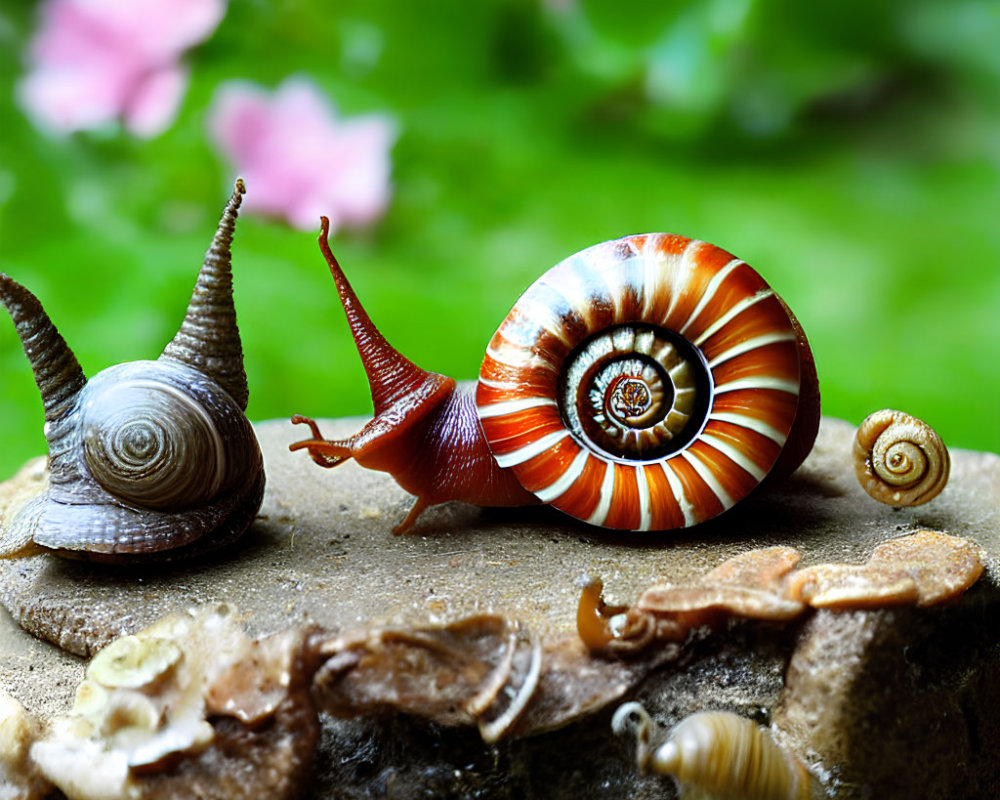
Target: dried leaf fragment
column 480, row 670
column 748, row 585
column 923, row 568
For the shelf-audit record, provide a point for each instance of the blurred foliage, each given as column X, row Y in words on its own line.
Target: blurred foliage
column 850, row 151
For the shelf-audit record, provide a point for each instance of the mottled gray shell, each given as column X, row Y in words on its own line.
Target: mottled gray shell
column 152, row 460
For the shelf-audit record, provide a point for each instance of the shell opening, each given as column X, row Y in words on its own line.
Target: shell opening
column 636, row 392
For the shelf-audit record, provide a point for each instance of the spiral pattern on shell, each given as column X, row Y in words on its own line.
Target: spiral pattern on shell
column 645, row 383
column 153, row 445
column 717, row 754
column 900, row 460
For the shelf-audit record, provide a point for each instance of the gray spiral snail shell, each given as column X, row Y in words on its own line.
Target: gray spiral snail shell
column 900, row 460
column 148, row 460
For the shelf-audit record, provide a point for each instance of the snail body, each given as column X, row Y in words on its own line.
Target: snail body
column 900, row 460
column 148, row 460
column 646, row 383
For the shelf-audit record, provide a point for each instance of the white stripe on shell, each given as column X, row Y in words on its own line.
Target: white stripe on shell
column 542, row 315
column 759, row 382
column 733, row 454
column 751, row 423
column 505, row 407
column 600, row 514
column 519, row 358
column 705, row 473
column 529, row 451
column 645, row 517
column 566, row 480
column 752, row 344
column 677, row 489
column 738, row 308
column 709, row 293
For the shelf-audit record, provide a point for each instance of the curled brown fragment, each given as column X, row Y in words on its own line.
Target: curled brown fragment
column 923, row 568
column 748, row 585
column 481, row 670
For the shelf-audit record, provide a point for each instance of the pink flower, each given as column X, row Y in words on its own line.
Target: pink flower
column 299, row 159
column 93, row 61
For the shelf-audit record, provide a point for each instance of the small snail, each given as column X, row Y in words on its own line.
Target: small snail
column 718, row 755
column 148, row 459
column 900, row 460
column 646, row 383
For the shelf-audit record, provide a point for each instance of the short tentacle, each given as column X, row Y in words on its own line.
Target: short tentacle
column 57, row 372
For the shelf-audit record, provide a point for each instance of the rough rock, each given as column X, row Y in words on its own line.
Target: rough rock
column 860, row 696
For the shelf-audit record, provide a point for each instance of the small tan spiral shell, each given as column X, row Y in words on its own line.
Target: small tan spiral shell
column 717, row 755
column 900, row 460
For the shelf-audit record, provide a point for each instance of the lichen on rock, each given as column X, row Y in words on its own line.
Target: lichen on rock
column 179, row 710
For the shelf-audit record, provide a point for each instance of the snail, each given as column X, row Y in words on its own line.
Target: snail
column 718, row 755
column 646, row 383
column 149, row 460
column 900, row 460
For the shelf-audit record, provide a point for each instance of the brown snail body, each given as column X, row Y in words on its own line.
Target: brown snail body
column 148, row 460
column 647, row 383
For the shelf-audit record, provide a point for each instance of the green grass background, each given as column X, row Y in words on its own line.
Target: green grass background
column 851, row 155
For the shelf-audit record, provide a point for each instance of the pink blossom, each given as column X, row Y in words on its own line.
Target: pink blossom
column 94, row 61
column 299, row 158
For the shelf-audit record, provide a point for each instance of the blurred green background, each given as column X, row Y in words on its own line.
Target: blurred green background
column 849, row 151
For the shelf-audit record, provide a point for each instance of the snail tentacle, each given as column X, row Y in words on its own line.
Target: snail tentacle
column 58, row 374
column 209, row 338
column 425, row 430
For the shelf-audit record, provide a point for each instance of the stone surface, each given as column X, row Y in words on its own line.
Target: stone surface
column 322, row 552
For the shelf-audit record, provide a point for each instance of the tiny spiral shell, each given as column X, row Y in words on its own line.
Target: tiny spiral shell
column 717, row 755
column 900, row 460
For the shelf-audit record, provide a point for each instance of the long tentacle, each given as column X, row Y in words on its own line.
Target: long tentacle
column 209, row 339
column 391, row 376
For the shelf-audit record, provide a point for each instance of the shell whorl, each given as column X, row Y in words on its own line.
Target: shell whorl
column 719, row 755
column 164, row 459
column 57, row 372
column 209, row 339
column 646, row 383
column 900, row 460
column 153, row 444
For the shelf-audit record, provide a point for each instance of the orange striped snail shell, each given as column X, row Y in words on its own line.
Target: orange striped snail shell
column 645, row 383
column 648, row 383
